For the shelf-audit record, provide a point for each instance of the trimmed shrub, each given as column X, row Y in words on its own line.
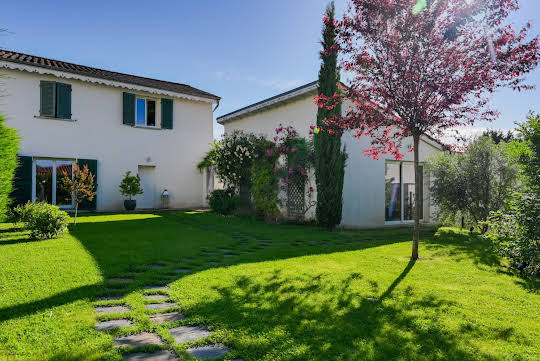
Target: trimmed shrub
column 9, row 146
column 43, row 220
column 223, row 201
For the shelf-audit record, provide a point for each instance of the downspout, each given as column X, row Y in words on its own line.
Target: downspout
column 217, row 106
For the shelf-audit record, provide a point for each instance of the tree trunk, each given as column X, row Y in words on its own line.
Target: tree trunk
column 76, row 209
column 417, row 201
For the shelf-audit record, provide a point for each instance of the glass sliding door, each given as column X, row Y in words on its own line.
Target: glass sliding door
column 393, row 192
column 48, row 174
column 400, row 191
column 64, row 168
column 44, row 180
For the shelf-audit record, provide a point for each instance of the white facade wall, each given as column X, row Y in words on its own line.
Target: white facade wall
column 364, row 183
column 97, row 132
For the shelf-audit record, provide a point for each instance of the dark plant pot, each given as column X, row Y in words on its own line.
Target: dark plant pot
column 130, row 204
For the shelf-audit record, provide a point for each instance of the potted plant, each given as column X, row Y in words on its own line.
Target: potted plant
column 130, row 187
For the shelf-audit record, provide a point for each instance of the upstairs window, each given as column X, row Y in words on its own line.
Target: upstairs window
column 55, row 100
column 145, row 112
column 140, row 111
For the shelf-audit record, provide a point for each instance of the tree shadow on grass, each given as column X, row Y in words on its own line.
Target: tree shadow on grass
column 120, row 247
column 276, row 317
column 460, row 245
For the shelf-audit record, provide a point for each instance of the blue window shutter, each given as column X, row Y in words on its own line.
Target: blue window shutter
column 63, row 101
column 47, row 105
column 166, row 113
column 22, row 181
column 128, row 111
column 92, row 167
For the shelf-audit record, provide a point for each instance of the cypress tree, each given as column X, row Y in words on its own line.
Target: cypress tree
column 329, row 157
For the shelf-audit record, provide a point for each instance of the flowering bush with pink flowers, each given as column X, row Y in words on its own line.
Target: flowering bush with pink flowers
column 243, row 161
column 297, row 154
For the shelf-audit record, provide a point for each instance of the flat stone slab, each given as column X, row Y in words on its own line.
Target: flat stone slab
column 165, row 355
column 230, row 255
column 112, row 324
column 166, row 317
column 214, row 263
column 161, row 306
column 225, row 250
column 209, row 252
column 109, row 298
column 182, row 270
column 121, row 280
column 208, row 352
column 111, row 309
column 140, row 340
column 189, row 333
column 156, row 288
column 156, row 297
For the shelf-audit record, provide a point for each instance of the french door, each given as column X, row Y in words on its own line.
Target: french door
column 47, row 181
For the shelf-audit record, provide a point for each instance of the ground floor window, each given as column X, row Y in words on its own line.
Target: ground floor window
column 47, row 181
column 400, row 191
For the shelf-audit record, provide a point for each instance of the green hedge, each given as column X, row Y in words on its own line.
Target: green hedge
column 9, row 146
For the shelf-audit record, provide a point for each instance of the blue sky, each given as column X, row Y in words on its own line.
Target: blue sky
column 243, row 51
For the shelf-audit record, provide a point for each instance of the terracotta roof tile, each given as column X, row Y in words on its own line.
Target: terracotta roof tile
column 16, row 57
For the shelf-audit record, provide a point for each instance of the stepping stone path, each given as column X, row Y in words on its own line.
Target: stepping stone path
column 181, row 334
column 121, row 280
column 166, row 317
column 140, row 340
column 189, row 333
column 111, row 309
column 112, row 324
column 156, row 297
column 208, row 352
column 161, row 306
column 165, row 355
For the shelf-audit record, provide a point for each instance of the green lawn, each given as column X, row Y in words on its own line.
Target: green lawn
column 310, row 295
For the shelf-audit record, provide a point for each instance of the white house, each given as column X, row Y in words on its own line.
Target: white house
column 375, row 192
column 112, row 122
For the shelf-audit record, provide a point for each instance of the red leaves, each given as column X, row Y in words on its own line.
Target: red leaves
column 427, row 73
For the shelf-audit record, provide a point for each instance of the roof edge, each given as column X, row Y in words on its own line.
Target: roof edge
column 201, row 93
column 276, row 99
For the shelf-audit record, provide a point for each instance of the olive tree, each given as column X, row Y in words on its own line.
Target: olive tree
column 475, row 182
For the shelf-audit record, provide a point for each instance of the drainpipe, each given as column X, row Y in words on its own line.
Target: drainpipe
column 217, row 105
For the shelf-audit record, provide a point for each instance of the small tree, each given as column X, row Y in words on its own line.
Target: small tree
column 423, row 67
column 474, row 183
column 130, row 186
column 9, row 146
column 81, row 185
